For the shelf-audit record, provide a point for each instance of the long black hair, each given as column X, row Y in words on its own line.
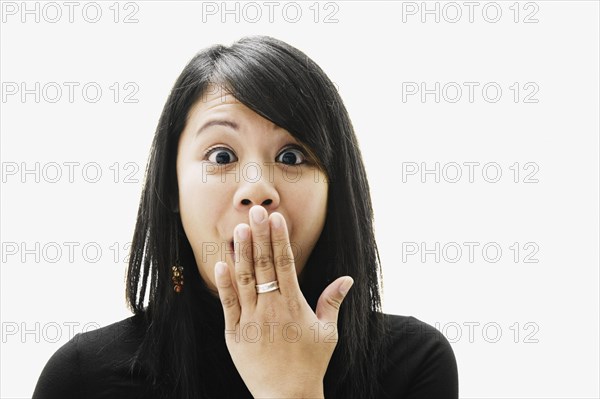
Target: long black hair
column 283, row 85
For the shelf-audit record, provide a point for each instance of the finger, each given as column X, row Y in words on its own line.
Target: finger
column 264, row 269
column 244, row 266
column 328, row 305
column 228, row 296
column 285, row 267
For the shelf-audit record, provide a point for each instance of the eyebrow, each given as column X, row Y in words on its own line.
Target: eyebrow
column 218, row 122
column 224, row 122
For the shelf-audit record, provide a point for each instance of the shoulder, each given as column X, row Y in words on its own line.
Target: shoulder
column 403, row 328
column 89, row 359
column 419, row 360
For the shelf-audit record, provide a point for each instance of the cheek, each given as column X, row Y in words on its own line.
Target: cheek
column 191, row 200
column 200, row 205
column 198, row 182
column 310, row 197
column 308, row 217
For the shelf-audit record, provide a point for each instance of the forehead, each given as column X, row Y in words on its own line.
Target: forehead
column 217, row 102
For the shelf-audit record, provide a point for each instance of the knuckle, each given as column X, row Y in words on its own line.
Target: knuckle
column 229, row 301
column 245, row 278
column 334, row 302
column 285, row 263
column 262, row 261
column 223, row 283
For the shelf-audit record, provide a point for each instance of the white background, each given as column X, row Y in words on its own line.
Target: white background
column 369, row 52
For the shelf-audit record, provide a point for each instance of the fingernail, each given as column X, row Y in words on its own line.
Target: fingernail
column 242, row 232
column 258, row 214
column 346, row 286
column 220, row 268
column 276, row 220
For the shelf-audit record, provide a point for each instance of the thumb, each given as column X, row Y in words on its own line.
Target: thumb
column 328, row 305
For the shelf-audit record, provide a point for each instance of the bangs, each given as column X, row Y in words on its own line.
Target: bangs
column 287, row 89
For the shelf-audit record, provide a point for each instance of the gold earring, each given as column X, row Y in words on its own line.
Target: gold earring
column 177, row 277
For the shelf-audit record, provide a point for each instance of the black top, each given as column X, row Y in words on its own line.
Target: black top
column 421, row 364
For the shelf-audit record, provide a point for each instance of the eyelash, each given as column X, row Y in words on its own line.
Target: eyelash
column 291, row 147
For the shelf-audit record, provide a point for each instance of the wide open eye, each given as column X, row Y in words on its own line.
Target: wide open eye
column 221, row 155
column 291, row 156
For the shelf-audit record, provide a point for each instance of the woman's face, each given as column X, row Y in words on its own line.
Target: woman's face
column 230, row 159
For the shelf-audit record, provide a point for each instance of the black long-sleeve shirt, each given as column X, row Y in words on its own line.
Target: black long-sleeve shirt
column 421, row 364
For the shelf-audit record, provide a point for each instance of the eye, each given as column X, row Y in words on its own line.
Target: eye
column 222, row 155
column 292, row 156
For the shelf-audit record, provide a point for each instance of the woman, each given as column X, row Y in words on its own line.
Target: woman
column 255, row 243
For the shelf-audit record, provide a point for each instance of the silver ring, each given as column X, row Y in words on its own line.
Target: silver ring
column 267, row 287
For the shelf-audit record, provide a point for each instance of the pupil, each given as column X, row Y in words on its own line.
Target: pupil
column 289, row 156
column 222, row 156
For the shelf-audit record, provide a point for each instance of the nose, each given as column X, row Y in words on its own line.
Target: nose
column 259, row 191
